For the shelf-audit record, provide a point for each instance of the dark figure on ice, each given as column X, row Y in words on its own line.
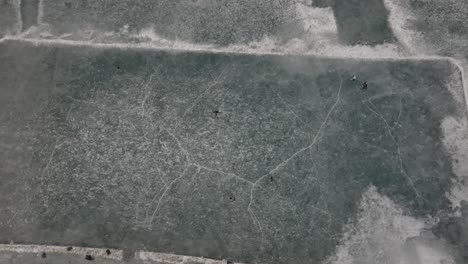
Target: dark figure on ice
column 216, row 112
column 364, row 86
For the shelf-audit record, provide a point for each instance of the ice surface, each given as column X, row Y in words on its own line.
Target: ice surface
column 9, row 17
column 121, row 148
column 362, row 22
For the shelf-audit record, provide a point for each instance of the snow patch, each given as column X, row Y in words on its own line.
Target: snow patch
column 455, row 131
column 151, row 257
column 37, row 249
column 399, row 14
column 380, row 232
column 384, row 234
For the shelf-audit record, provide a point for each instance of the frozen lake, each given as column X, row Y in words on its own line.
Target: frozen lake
column 232, row 129
column 125, row 148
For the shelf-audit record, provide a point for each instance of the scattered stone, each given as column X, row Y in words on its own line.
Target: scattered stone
column 89, row 257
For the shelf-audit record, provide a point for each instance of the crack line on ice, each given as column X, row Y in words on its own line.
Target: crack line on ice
column 285, row 162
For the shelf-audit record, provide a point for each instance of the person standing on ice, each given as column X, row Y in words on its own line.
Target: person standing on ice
column 364, row 85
